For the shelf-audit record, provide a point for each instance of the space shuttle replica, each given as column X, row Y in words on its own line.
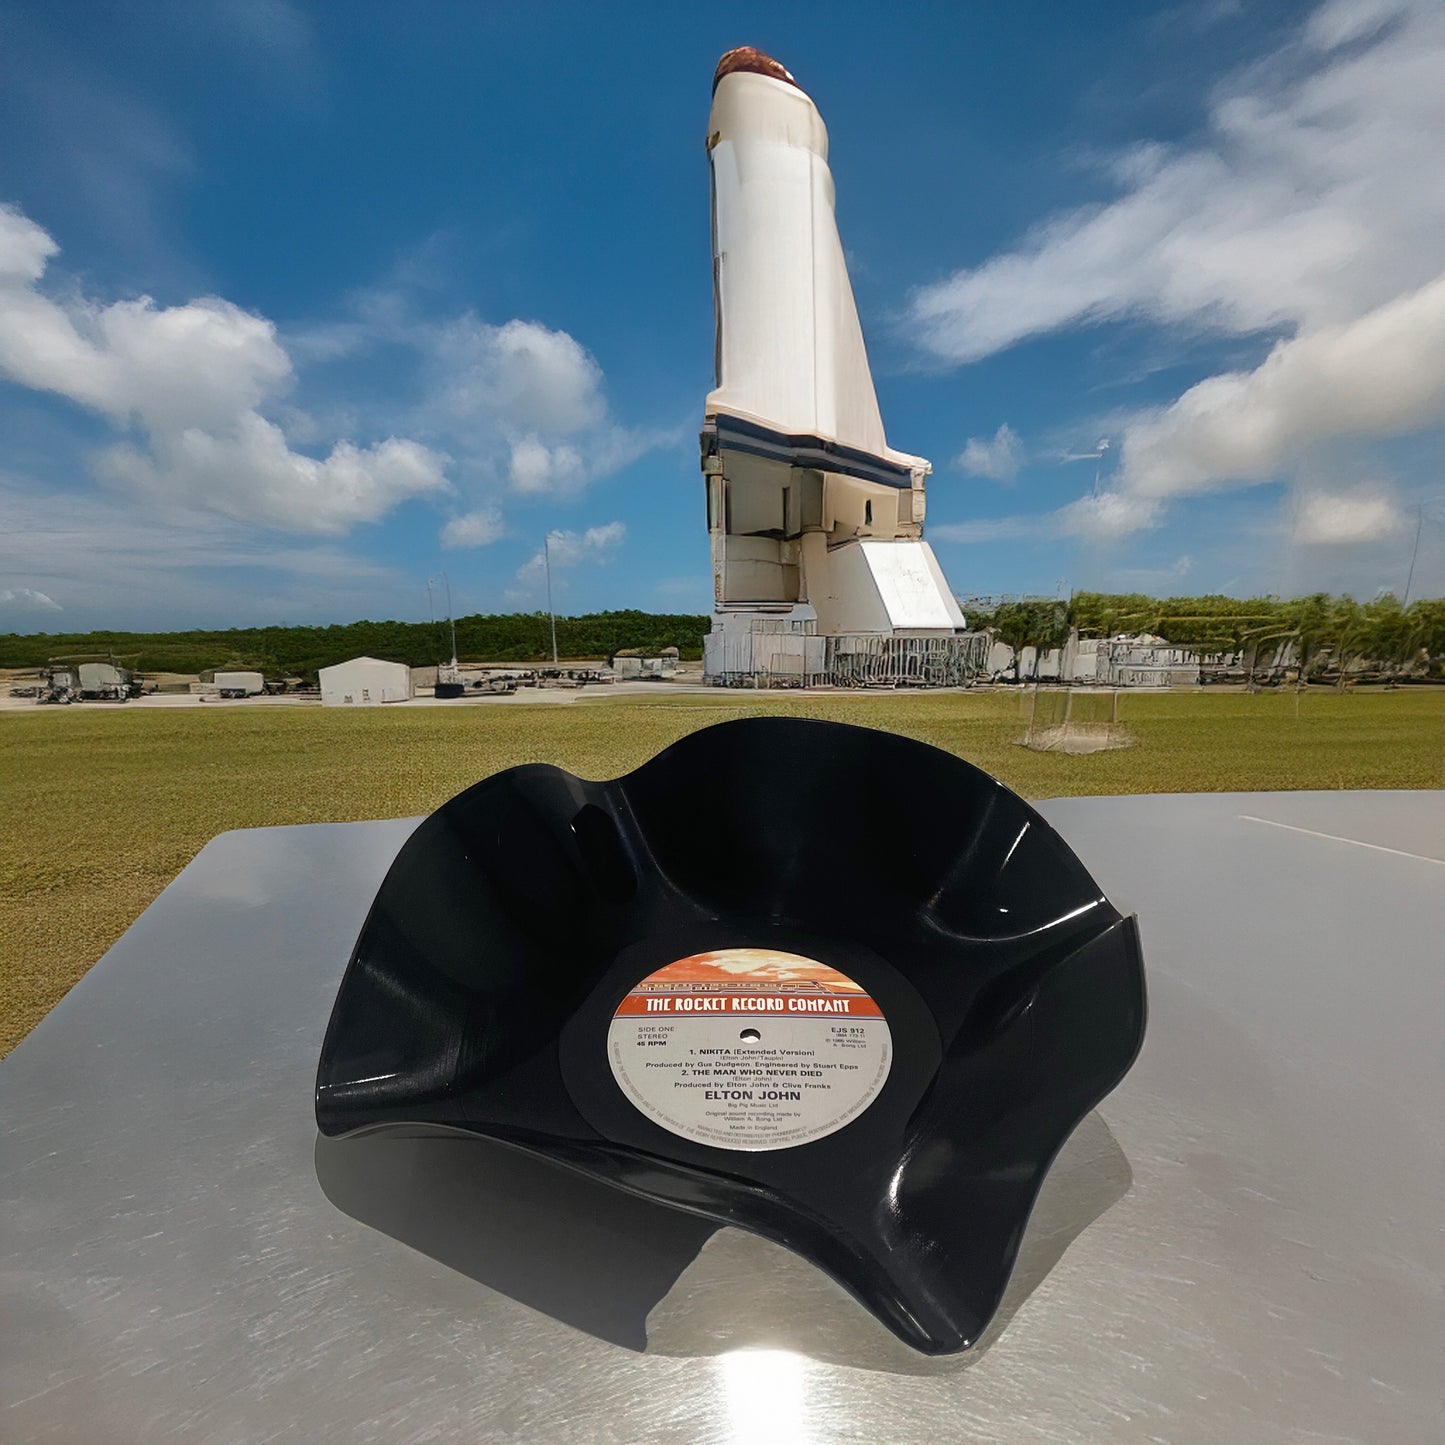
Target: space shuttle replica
column 820, row 570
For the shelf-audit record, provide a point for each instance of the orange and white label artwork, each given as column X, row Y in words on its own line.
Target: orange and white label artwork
column 750, row 1049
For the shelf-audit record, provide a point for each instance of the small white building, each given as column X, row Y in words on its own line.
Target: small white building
column 240, row 684
column 364, row 681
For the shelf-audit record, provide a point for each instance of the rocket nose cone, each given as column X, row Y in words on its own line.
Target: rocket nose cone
column 747, row 59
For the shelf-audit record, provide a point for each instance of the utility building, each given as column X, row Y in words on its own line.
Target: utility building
column 363, row 681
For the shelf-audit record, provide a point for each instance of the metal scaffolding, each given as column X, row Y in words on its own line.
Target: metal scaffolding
column 778, row 658
column 862, row 660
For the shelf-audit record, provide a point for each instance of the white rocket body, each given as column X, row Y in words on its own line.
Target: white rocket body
column 791, row 351
column 816, row 522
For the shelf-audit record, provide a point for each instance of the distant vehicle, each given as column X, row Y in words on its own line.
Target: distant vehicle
column 500, row 686
column 58, row 685
column 104, row 682
column 90, row 677
column 240, row 684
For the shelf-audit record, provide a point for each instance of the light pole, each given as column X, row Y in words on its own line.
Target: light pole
column 451, row 621
column 431, row 613
column 547, row 562
column 1414, row 553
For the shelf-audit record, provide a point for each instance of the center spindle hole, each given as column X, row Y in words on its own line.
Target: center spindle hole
column 752, row 1035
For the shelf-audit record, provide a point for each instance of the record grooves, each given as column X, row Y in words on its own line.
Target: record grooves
column 938, row 990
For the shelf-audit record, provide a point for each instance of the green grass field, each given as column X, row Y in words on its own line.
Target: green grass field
column 101, row 808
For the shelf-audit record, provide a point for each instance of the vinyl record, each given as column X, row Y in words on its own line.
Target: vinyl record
column 819, row 981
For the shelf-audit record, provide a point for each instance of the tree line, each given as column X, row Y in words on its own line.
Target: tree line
column 1319, row 629
column 524, row 637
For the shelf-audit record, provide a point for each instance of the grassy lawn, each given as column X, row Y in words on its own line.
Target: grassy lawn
column 101, row 808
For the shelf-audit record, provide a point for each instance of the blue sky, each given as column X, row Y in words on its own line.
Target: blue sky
column 302, row 305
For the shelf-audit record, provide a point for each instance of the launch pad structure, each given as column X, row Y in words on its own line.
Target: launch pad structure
column 821, row 573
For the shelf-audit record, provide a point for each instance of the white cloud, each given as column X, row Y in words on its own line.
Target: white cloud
column 563, row 469
column 27, row 599
column 117, row 567
column 1315, row 210
column 534, row 379
column 192, row 380
column 1098, row 517
column 1334, row 519
column 474, row 529
column 519, row 402
column 1102, row 516
column 537, row 469
column 998, row 458
column 25, row 248
column 571, row 549
column 534, row 394
column 1378, row 376
column 1316, row 198
column 251, row 474
column 1346, row 21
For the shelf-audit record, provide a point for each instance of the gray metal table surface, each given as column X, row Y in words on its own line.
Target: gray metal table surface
column 1242, row 1243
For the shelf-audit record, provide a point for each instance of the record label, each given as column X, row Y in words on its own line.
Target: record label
column 748, row 1048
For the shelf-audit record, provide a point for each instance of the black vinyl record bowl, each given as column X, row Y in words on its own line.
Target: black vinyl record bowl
column 489, row 989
